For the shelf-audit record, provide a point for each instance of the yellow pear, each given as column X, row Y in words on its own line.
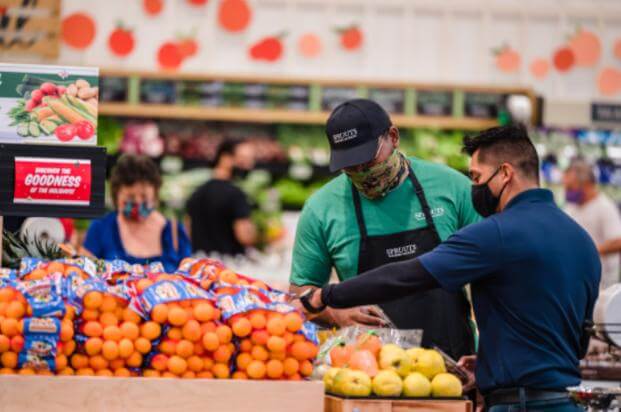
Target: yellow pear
column 394, row 358
column 414, row 353
column 446, row 385
column 429, row 363
column 353, row 383
column 328, row 378
column 387, row 383
column 416, row 385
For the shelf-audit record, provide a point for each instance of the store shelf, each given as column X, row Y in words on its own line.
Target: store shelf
column 165, row 111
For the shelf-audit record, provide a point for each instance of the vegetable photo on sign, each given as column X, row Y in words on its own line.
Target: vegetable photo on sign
column 48, row 104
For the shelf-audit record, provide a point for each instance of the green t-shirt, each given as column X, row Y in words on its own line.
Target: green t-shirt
column 328, row 236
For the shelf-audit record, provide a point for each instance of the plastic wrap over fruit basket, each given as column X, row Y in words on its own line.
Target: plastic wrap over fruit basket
column 386, row 363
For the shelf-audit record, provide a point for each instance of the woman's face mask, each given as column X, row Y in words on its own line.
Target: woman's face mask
column 136, row 210
column 136, row 202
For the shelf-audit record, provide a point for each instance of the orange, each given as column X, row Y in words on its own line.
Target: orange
column 26, row 371
column 55, row 267
column 93, row 329
column 169, row 375
column 150, row 373
column 108, row 319
column 203, row 312
column 118, row 363
column 208, row 327
column 256, row 370
column 207, row 363
column 281, row 356
column 192, row 331
column 69, row 312
column 79, row 361
column 9, row 327
column 243, row 360
column 93, row 300
column 130, row 330
column 160, row 362
column 175, row 333
column 69, row 347
column 9, row 360
column 257, row 320
column 242, row 327
column 306, row 368
column 61, row 362
column 131, row 316
column 66, row 330
column 5, row 344
column 104, row 372
column 185, row 349
column 199, row 349
column 274, row 369
column 295, row 377
column 221, row 371
column 239, row 375
column 93, row 346
column 177, row 365
column 150, row 330
column 110, row 350
column 122, row 373
column 188, row 375
column 293, row 321
column 276, row 326
column 112, row 333
column 3, row 306
column 159, row 313
column 126, row 348
column 195, row 363
column 90, row 314
column 109, row 304
column 288, row 337
column 276, row 344
column 228, row 276
column 203, row 375
column 118, row 312
column 142, row 284
column 177, row 316
column 142, row 345
column 259, row 337
column 17, row 343
column 66, row 372
column 45, row 372
column 168, row 346
column 211, row 341
column 222, row 354
column 303, row 350
column 245, row 345
column 217, row 314
column 224, row 334
column 98, row 363
column 291, row 366
column 259, row 353
column 134, row 360
column 15, row 310
column 6, row 294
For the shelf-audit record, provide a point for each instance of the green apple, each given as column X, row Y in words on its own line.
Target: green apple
column 429, row 363
column 393, row 357
column 353, row 383
column 387, row 383
column 416, row 385
column 446, row 385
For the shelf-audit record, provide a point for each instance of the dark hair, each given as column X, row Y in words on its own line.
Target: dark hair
column 131, row 169
column 506, row 144
column 227, row 147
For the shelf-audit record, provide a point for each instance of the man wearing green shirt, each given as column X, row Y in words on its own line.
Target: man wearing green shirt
column 384, row 208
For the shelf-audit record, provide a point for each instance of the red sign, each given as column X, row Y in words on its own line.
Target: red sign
column 52, row 181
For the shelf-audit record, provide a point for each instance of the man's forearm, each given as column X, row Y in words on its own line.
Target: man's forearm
column 609, row 247
column 383, row 284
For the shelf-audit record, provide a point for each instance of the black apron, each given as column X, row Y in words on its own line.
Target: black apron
column 443, row 316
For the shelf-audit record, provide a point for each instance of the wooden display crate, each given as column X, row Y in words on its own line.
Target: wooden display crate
column 93, row 394
column 337, row 404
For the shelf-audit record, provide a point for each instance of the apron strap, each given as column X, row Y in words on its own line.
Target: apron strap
column 420, row 194
column 358, row 207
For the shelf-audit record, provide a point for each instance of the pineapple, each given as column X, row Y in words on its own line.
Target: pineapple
column 17, row 246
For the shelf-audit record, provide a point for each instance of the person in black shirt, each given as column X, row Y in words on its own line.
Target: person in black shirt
column 218, row 211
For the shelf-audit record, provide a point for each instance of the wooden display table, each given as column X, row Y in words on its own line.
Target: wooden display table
column 66, row 394
column 337, row 404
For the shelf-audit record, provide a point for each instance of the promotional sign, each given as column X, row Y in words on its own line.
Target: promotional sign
column 48, row 104
column 606, row 112
column 52, row 181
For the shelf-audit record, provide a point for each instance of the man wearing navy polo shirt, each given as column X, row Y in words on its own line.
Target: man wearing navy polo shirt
column 533, row 271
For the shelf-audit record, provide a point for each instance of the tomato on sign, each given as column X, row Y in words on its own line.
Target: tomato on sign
column 52, row 181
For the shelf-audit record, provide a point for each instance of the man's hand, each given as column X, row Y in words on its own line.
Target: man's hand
column 468, row 364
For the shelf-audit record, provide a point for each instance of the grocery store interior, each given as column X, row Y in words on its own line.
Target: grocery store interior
column 213, row 115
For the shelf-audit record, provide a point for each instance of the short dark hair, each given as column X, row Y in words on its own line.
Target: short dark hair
column 132, row 169
column 509, row 144
column 227, row 147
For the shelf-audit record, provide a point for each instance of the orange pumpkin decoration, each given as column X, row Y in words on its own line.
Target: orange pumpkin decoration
column 234, row 15
column 369, row 341
column 78, row 30
column 340, row 355
column 365, row 361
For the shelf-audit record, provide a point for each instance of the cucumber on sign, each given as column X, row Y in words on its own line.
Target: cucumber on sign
column 48, row 104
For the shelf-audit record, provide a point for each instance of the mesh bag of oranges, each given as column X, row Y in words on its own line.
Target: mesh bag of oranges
column 213, row 275
column 271, row 338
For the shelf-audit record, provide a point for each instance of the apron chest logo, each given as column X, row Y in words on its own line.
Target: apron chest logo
column 435, row 212
column 401, row 251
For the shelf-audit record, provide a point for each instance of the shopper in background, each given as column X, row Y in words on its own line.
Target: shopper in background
column 597, row 214
column 136, row 232
column 534, row 275
column 384, row 208
column 218, row 212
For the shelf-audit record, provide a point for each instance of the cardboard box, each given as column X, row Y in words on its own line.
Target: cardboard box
column 337, row 404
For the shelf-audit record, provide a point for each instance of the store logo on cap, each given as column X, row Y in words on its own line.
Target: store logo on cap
column 345, row 136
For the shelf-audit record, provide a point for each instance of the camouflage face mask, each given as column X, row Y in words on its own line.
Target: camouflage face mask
column 377, row 180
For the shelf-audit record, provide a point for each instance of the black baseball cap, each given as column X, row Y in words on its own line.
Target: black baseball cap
column 353, row 129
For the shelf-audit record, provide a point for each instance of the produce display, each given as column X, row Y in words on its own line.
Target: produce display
column 384, row 363
column 109, row 318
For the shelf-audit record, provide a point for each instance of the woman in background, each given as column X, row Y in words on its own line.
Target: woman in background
column 137, row 232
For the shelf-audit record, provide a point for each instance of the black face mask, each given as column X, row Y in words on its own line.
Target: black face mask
column 483, row 200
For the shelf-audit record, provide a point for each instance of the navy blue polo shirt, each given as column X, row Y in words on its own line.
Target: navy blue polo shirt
column 534, row 275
